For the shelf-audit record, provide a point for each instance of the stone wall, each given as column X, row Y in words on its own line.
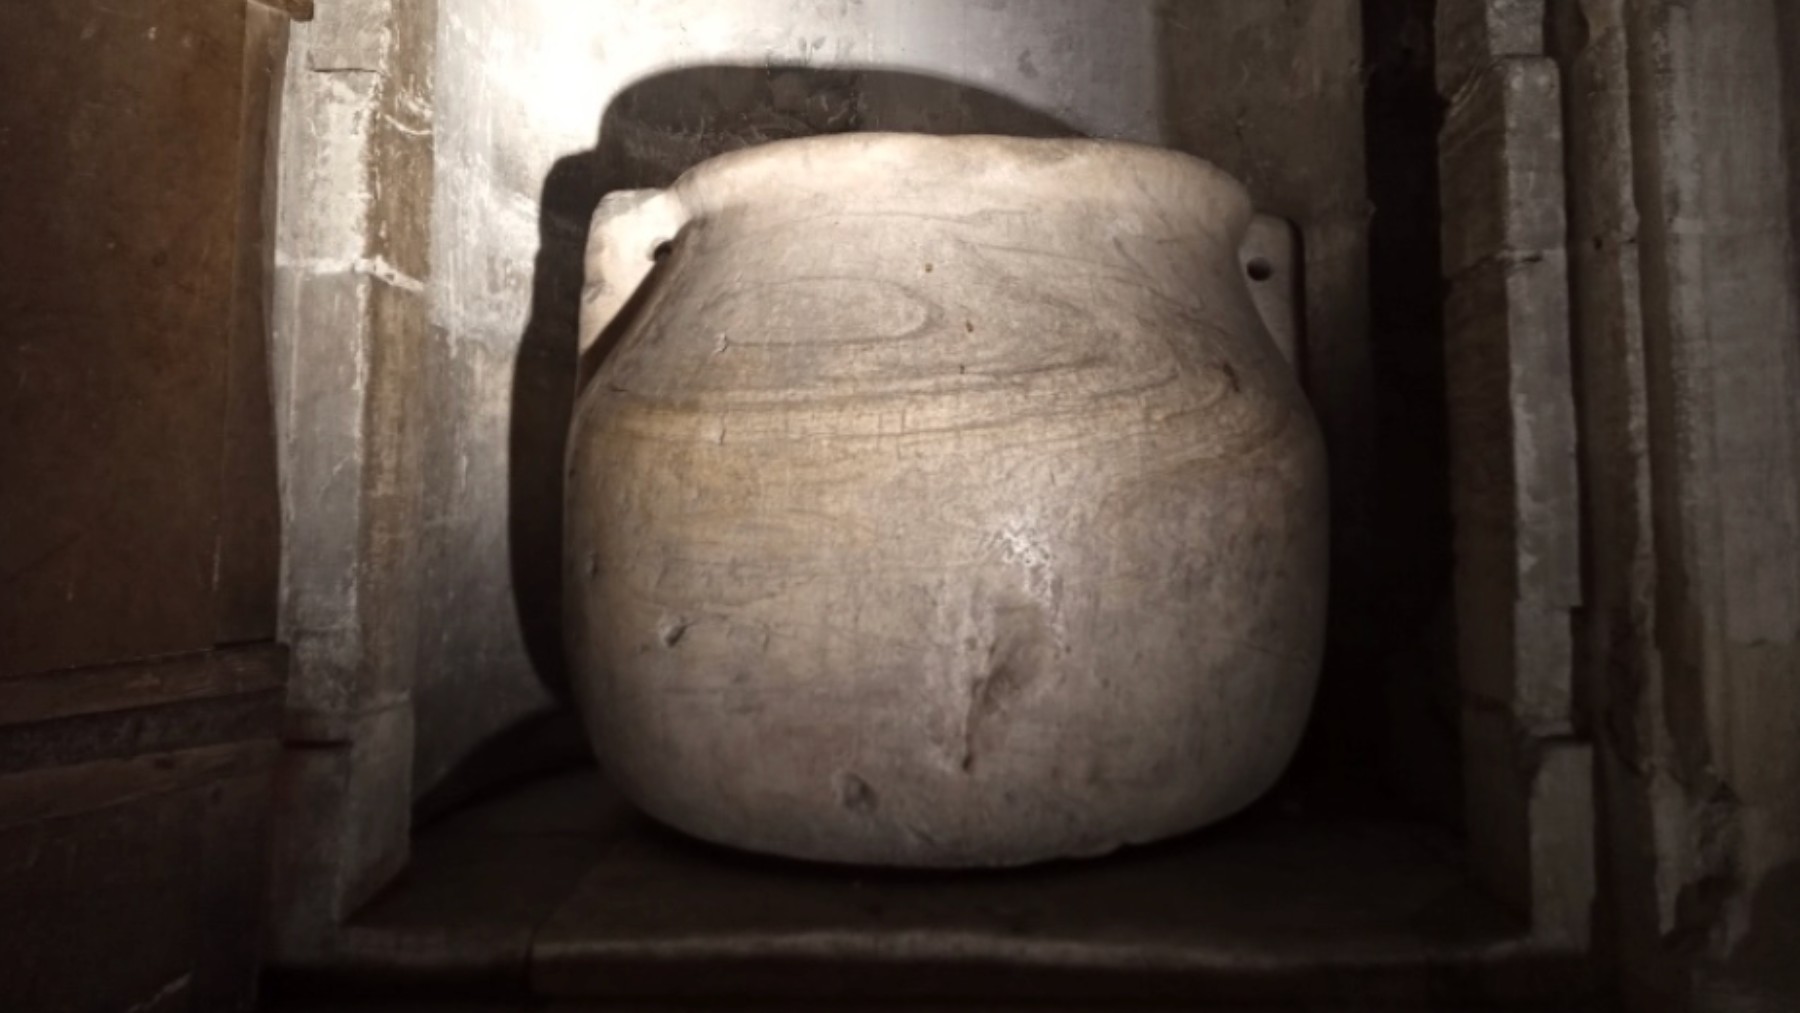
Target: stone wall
column 1527, row 765
column 1681, row 172
column 1704, row 780
column 348, row 325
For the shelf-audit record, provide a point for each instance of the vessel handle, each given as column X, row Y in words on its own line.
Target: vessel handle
column 1270, row 256
column 629, row 235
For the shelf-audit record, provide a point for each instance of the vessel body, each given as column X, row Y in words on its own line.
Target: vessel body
column 939, row 502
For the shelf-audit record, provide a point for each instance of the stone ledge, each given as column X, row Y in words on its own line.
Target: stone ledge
column 559, row 890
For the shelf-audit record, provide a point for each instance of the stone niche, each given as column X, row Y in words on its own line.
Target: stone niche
column 1496, row 341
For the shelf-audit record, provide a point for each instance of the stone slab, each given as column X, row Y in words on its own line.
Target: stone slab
column 158, row 682
column 1530, row 805
column 1271, row 907
column 479, row 884
column 1512, row 422
column 1501, row 165
column 1285, row 906
column 1473, row 34
column 1514, row 489
column 344, row 826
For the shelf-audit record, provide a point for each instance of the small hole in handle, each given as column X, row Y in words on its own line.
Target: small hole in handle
column 1259, row 269
column 660, row 252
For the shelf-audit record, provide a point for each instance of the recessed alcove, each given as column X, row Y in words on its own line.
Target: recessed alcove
column 1434, row 840
column 523, row 873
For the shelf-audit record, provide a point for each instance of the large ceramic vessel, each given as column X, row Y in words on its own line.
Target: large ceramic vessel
column 939, row 502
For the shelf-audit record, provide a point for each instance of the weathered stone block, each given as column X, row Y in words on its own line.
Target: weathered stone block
column 1530, row 822
column 344, row 825
column 1501, row 165
column 329, row 117
column 1514, row 489
column 1589, row 42
column 1606, row 334
column 323, row 375
column 1512, row 421
column 1472, row 34
column 351, row 36
column 1516, row 655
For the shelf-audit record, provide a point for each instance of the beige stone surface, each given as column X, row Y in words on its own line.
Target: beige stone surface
column 940, row 502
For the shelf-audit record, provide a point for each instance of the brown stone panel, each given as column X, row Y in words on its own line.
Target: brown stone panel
column 119, row 172
column 139, row 481
column 115, row 881
column 235, row 829
column 162, row 682
column 133, row 878
column 144, row 901
column 249, row 561
column 130, row 735
column 52, row 792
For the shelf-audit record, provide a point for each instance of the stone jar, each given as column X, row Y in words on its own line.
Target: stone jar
column 939, row 502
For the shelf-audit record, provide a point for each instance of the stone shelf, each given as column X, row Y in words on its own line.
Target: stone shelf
column 558, row 891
